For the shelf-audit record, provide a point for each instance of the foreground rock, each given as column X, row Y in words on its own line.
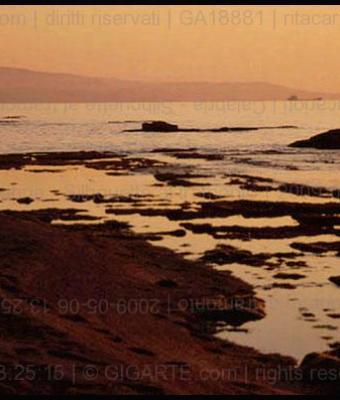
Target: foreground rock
column 321, row 368
column 81, row 295
column 236, row 312
column 326, row 140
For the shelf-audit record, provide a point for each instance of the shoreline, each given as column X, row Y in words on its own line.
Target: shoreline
column 57, row 272
column 70, row 289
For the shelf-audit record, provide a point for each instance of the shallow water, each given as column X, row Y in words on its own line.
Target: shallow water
column 85, row 127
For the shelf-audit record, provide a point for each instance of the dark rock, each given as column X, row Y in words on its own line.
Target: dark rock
column 98, row 198
column 234, row 311
column 224, row 254
column 25, row 200
column 245, row 233
column 81, row 198
column 18, row 161
column 177, row 233
column 335, row 349
column 326, row 140
column 317, row 247
column 335, row 279
column 159, row 235
column 308, row 315
column 283, row 286
column 208, row 195
column 318, row 220
column 320, row 367
column 283, row 275
column 167, row 283
column 198, row 156
column 168, row 176
column 159, row 126
column 334, row 315
column 50, row 214
column 142, row 351
column 172, row 150
column 296, row 263
column 255, row 183
column 14, row 117
column 298, row 189
column 179, row 179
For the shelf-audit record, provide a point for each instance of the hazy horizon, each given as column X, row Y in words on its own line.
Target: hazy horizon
column 53, row 72
column 282, row 45
column 26, row 85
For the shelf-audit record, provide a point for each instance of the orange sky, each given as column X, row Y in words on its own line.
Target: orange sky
column 292, row 45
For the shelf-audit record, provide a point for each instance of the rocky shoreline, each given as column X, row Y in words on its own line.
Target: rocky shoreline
column 140, row 318
column 79, row 297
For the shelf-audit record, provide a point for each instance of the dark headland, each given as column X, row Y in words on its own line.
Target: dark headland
column 327, row 140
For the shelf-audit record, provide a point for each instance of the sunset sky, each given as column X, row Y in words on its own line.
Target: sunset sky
column 296, row 46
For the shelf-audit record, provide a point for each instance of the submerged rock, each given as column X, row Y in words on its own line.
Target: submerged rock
column 326, row 140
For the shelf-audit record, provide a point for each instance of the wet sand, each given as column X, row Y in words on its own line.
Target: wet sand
column 84, row 299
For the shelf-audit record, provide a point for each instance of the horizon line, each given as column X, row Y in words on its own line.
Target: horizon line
column 29, row 69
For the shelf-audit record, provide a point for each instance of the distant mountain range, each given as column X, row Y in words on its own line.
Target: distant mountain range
column 21, row 85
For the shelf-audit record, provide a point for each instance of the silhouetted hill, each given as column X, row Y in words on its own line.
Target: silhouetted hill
column 21, row 85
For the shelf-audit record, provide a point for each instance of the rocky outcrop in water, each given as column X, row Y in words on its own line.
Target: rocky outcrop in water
column 162, row 126
column 327, row 140
column 159, row 126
